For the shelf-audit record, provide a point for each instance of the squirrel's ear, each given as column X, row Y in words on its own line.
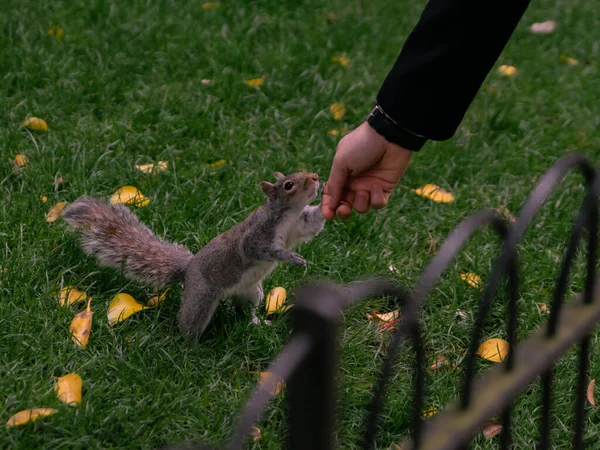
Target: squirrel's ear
column 279, row 176
column 269, row 189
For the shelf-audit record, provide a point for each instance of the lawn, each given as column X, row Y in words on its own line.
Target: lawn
column 123, row 85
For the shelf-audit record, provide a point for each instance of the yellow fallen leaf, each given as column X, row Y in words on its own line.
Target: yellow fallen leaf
column 157, row 299
column 440, row 361
column 20, row 161
column 386, row 317
column 544, row 308
column 218, row 163
column 43, row 198
column 342, row 60
column 569, row 61
column 590, row 393
column 275, row 300
column 256, row 82
column 255, row 432
column 55, row 211
column 68, row 389
column 151, row 167
column 471, row 279
column 81, row 326
column 121, row 307
column 56, row 32
column 266, row 377
column 429, row 412
column 29, row 415
column 36, row 124
column 507, row 71
column 69, row 295
column 210, row 5
column 337, row 132
column 546, row 27
column 129, row 195
column 492, row 428
column 493, row 350
column 435, row 193
column 338, row 111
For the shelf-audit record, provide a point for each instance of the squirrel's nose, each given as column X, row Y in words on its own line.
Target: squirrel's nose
column 314, row 177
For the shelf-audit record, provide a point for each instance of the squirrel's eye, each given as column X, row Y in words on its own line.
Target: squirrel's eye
column 289, row 185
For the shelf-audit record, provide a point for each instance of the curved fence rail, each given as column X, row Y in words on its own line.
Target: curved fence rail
column 308, row 363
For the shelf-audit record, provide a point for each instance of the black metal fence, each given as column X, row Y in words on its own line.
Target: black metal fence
column 309, row 362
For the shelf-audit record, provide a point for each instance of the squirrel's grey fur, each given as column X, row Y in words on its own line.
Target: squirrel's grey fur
column 232, row 264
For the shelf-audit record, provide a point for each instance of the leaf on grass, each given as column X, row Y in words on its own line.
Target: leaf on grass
column 56, row 32
column 266, row 378
column 337, row 132
column 507, row 71
column 55, row 211
column 218, row 163
column 461, row 314
column 386, row 317
column 546, row 27
column 568, row 60
column 129, row 195
column 543, row 308
column 151, row 167
column 392, row 268
column 205, row 82
column 343, row 61
column 504, row 212
column 256, row 82
column 471, row 279
column 275, row 300
column 210, row 5
column 121, row 307
column 255, row 432
column 36, row 124
column 435, row 193
column 440, row 362
column 429, row 412
column 493, row 350
column 69, row 295
column 68, row 389
column 20, row 161
column 43, row 198
column 157, row 299
column 81, row 326
column 492, row 428
column 590, row 393
column 29, row 415
column 338, row 111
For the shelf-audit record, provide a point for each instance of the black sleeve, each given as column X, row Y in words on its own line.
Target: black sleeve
column 444, row 62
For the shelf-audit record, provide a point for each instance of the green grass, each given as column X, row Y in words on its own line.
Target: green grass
column 123, row 86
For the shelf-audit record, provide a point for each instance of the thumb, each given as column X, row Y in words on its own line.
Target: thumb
column 336, row 183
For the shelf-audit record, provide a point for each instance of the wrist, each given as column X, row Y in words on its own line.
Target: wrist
column 393, row 132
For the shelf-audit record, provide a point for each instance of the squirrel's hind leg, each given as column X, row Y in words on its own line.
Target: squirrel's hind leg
column 248, row 298
column 198, row 304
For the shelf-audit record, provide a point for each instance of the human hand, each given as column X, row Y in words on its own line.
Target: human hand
column 365, row 170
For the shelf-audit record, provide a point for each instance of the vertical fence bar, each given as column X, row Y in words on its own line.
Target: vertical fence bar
column 312, row 387
column 581, row 391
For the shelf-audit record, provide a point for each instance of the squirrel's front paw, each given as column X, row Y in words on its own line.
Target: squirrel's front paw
column 298, row 260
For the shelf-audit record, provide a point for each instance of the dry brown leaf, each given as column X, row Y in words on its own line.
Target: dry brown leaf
column 461, row 314
column 29, row 415
column 210, row 5
column 43, row 198
column 255, row 432
column 435, row 193
column 507, row 71
column 68, row 389
column 568, row 60
column 392, row 268
column 218, row 163
column 20, row 161
column 267, row 377
column 440, row 362
column 56, row 32
column 205, row 82
column 471, row 279
column 544, row 308
column 386, row 317
column 36, row 124
column 336, row 132
column 55, row 211
column 492, row 428
column 81, row 326
column 494, row 350
column 590, row 393
column 338, row 111
column 151, row 167
column 504, row 212
column 546, row 27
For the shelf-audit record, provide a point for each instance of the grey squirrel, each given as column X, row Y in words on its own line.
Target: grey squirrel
column 232, row 264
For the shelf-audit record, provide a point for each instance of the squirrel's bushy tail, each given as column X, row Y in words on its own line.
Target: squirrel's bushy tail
column 118, row 239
